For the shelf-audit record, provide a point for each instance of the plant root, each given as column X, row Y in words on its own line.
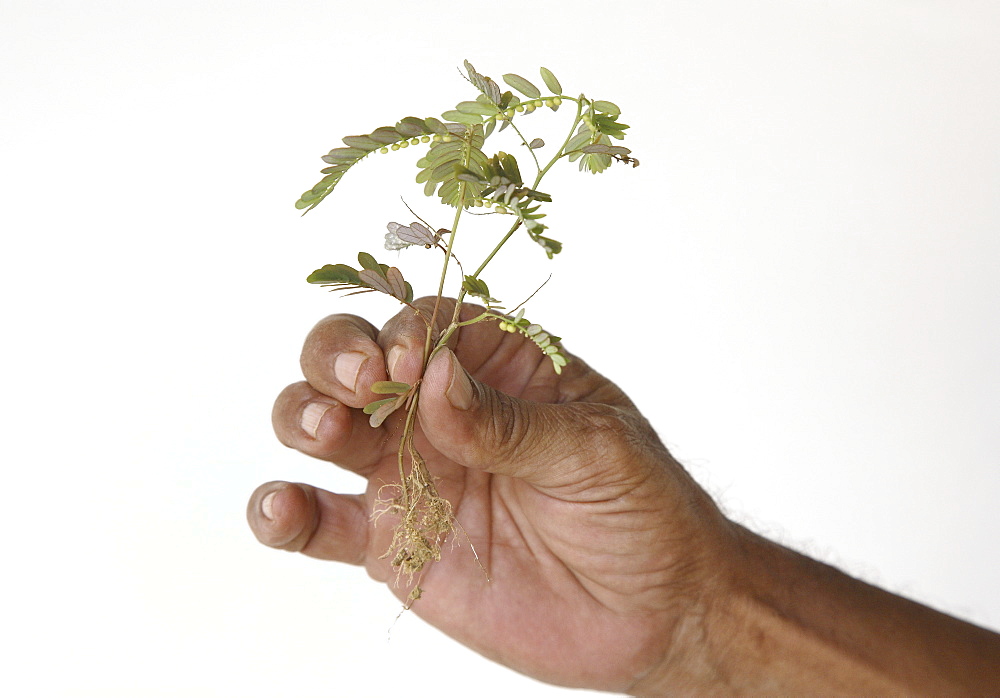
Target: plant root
column 425, row 521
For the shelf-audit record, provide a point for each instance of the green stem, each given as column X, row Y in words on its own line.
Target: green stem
column 538, row 165
column 541, row 173
column 569, row 136
column 477, row 272
column 448, row 253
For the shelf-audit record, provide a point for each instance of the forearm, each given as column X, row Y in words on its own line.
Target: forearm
column 789, row 624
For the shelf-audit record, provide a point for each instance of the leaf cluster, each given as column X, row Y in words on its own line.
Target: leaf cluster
column 478, row 288
column 501, row 183
column 440, row 167
column 592, row 142
column 410, row 130
column 379, row 410
column 549, row 344
column 372, row 276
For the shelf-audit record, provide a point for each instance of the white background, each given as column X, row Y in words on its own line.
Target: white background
column 798, row 287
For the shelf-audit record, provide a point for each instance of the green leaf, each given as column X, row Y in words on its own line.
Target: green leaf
column 335, row 274
column 368, row 262
column 381, row 409
column 483, row 83
column 411, row 126
column 386, row 135
column 510, row 168
column 610, row 126
column 362, row 142
column 462, row 117
column 606, row 149
column 467, row 175
column 476, row 108
column 551, row 247
column 344, row 155
column 390, row 388
column 435, row 125
column 607, row 107
column 550, row 81
column 521, row 85
column 371, row 407
column 478, row 288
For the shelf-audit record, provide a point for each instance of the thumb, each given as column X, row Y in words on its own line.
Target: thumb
column 548, row 445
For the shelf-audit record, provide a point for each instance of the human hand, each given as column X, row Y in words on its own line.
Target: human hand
column 611, row 569
column 598, row 545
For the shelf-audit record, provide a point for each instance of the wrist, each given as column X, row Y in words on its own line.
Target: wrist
column 779, row 622
column 765, row 624
column 788, row 624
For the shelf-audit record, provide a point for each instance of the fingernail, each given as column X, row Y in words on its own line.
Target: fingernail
column 312, row 415
column 267, row 505
column 392, row 357
column 459, row 392
column 347, row 366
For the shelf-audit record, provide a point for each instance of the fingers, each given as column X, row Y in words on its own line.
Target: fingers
column 301, row 518
column 344, row 354
column 319, row 426
column 341, row 359
column 572, row 446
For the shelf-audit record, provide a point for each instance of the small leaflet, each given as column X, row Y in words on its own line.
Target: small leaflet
column 550, row 81
column 521, row 85
column 413, row 234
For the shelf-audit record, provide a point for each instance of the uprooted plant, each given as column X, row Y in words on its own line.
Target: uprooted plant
column 455, row 168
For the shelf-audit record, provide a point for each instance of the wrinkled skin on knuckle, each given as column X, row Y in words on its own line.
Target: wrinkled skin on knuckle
column 615, row 448
column 505, row 435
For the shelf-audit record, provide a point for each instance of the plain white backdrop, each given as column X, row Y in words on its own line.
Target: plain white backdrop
column 797, row 286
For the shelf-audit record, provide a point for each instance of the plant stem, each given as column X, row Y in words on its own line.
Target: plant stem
column 517, row 224
column 448, row 253
column 569, row 136
column 538, row 179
